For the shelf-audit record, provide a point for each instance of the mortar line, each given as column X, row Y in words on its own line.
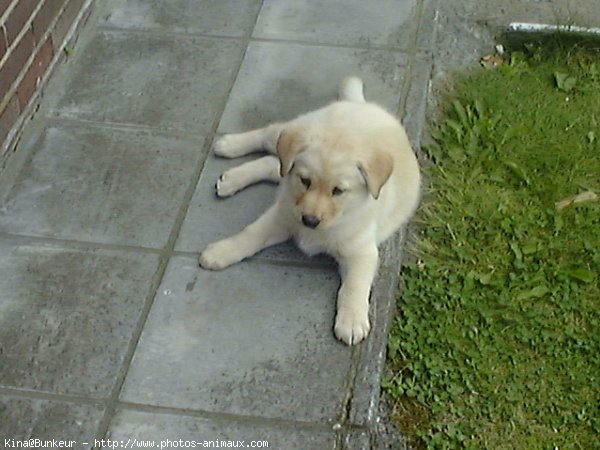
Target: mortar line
column 58, row 120
column 108, row 28
column 419, row 22
column 354, row 46
column 265, row 261
column 318, row 424
column 67, row 244
column 25, row 393
column 131, row 347
column 273, row 40
column 167, row 252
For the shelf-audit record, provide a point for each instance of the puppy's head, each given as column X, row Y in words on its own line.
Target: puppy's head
column 331, row 173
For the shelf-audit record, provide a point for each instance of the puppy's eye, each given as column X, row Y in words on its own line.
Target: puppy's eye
column 305, row 182
column 337, row 191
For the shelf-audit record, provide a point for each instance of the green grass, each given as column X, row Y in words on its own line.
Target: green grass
column 497, row 340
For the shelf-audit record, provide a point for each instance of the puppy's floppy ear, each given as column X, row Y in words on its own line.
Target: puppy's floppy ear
column 289, row 144
column 376, row 171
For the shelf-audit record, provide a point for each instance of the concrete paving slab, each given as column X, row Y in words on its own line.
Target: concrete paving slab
column 279, row 81
column 158, row 428
column 210, row 218
column 149, row 79
column 233, row 18
column 66, row 315
column 24, row 418
column 102, row 185
column 253, row 340
column 388, row 23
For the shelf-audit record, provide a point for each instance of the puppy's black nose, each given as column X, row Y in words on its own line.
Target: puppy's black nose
column 311, row 221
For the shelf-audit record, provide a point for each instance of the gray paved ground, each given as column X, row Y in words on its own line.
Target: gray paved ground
column 108, row 329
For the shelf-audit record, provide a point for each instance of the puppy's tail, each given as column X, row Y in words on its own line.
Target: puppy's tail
column 352, row 88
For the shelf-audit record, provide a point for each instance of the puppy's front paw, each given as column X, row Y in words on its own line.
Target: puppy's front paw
column 227, row 184
column 351, row 326
column 218, row 255
column 230, row 146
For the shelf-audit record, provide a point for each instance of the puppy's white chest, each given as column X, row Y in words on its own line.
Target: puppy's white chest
column 308, row 246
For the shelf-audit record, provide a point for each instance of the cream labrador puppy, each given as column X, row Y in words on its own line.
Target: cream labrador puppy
column 348, row 180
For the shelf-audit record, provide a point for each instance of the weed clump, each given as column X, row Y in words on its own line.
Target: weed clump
column 498, row 333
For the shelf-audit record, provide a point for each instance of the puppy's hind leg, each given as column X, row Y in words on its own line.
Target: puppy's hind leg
column 242, row 176
column 240, row 144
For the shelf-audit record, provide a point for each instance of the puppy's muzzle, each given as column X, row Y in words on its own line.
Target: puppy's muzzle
column 310, row 221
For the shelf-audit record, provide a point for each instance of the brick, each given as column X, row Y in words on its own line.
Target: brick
column 45, row 16
column 14, row 64
column 65, row 21
column 34, row 73
column 18, row 17
column 8, row 118
column 4, row 4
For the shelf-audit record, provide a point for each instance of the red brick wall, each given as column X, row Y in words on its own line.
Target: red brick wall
column 32, row 37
